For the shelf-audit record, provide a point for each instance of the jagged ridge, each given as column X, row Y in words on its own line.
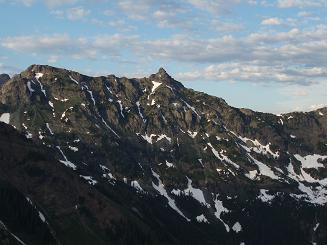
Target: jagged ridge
column 160, row 137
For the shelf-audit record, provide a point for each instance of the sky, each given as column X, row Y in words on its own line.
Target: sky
column 265, row 55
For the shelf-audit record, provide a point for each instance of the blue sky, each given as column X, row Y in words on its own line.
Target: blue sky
column 264, row 55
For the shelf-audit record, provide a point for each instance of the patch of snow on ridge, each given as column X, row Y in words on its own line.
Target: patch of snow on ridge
column 202, row 219
column 219, row 210
column 5, row 118
column 150, row 140
column 61, row 100
column 89, row 179
column 316, row 227
column 192, row 134
column 265, row 197
column 310, row 161
column 74, row 149
column 37, row 77
column 29, row 86
column 90, row 93
column 136, row 185
column 258, row 147
column 121, row 108
column 191, row 107
column 264, row 169
column 221, row 156
column 105, row 123
column 140, row 112
column 48, row 127
column 41, row 216
column 315, row 195
column 161, row 189
column 169, row 164
column 252, row 174
column 65, row 161
column 155, row 86
column 71, row 78
column 197, row 194
column 237, row 227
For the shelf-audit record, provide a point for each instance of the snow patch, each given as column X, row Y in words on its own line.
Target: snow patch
column 89, row 179
column 237, row 227
column 191, row 107
column 155, row 86
column 65, row 161
column 121, row 108
column 71, row 78
column 48, row 127
column 192, row 134
column 150, row 139
column 161, row 189
column 265, row 197
column 310, row 161
column 264, row 169
column 29, row 86
column 74, row 149
column 140, row 112
column 169, row 164
column 219, row 210
column 197, row 194
column 221, row 156
column 105, row 123
column 202, row 219
column 252, row 174
column 37, row 77
column 5, row 118
column 258, row 147
column 136, row 185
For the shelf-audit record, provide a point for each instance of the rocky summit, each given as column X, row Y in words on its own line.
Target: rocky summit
column 112, row 160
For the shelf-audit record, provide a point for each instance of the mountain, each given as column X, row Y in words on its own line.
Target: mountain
column 4, row 78
column 112, row 160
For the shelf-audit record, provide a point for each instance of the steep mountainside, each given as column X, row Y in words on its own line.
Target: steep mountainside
column 153, row 162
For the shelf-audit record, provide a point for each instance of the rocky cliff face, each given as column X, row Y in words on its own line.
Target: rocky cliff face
column 218, row 172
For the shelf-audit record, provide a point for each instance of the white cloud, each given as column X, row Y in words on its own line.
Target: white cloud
column 74, row 14
column 77, row 13
column 53, row 58
column 304, row 14
column 271, row 21
column 300, row 3
column 56, row 3
column 297, row 56
column 250, row 71
column 214, row 6
column 300, row 93
column 49, row 3
column 316, row 106
column 222, row 26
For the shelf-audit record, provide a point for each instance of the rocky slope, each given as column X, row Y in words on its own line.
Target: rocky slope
column 179, row 165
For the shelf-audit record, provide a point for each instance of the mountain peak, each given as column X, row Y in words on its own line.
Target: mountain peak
column 42, row 68
column 162, row 71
